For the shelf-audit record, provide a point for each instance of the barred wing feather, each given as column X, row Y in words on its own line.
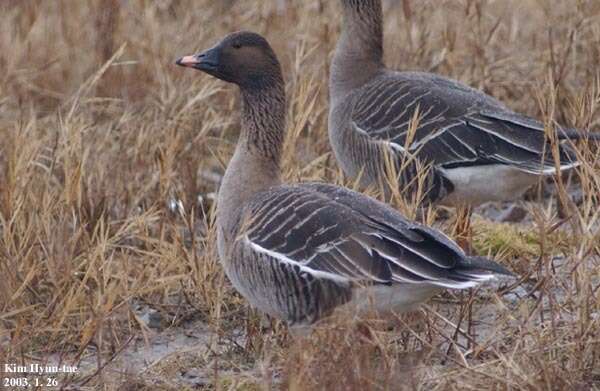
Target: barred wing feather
column 456, row 125
column 337, row 234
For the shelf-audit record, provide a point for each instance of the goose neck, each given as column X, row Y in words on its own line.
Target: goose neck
column 359, row 52
column 254, row 166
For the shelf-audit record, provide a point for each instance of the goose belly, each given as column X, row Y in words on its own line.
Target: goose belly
column 478, row 184
column 396, row 298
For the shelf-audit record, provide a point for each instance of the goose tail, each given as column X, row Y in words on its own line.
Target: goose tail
column 478, row 269
column 575, row 134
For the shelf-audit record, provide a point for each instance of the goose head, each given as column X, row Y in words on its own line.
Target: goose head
column 243, row 58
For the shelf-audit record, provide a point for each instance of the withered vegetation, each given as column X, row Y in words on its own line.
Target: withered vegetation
column 110, row 156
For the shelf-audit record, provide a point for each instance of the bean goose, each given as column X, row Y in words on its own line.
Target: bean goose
column 476, row 149
column 299, row 251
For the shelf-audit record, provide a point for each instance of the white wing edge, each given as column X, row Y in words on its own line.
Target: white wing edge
column 303, row 268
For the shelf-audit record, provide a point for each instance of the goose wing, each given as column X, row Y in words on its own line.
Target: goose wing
column 456, row 125
column 337, row 234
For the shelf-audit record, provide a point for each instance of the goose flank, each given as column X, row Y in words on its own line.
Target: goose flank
column 299, row 251
column 463, row 137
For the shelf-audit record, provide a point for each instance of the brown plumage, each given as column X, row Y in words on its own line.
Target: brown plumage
column 300, row 251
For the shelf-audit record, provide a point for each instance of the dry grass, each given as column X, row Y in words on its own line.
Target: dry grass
column 101, row 136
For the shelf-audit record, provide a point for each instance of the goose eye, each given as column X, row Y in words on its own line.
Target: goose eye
column 236, row 45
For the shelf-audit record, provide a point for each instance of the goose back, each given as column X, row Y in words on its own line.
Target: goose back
column 461, row 133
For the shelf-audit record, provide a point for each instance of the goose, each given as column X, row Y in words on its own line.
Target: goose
column 302, row 251
column 474, row 148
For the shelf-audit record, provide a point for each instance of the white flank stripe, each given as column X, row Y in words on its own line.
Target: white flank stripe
column 548, row 171
column 480, row 277
column 282, row 258
column 562, row 168
column 456, row 285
